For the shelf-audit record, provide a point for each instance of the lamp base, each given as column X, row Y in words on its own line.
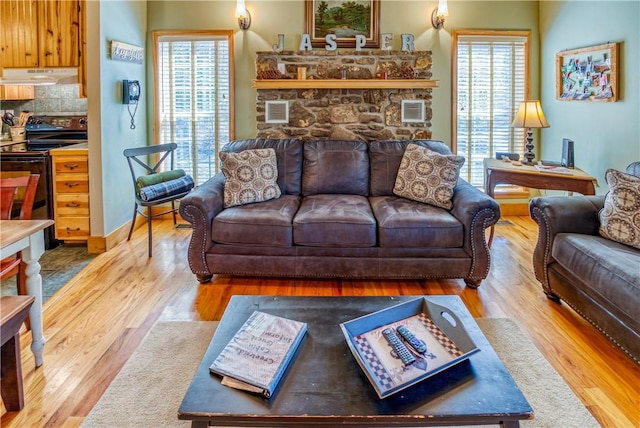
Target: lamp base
column 528, row 155
column 437, row 21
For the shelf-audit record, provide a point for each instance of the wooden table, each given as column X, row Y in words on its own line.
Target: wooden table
column 28, row 236
column 324, row 385
column 12, row 314
column 501, row 172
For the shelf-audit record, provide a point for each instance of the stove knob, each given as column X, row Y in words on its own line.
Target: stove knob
column 83, row 121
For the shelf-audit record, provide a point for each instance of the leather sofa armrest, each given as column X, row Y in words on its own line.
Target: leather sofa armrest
column 561, row 214
column 199, row 208
column 476, row 211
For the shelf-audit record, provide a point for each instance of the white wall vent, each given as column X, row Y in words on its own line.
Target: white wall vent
column 276, row 112
column 413, row 111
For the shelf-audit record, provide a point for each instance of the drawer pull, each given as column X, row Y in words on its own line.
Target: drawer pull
column 77, row 229
column 71, row 184
column 73, row 205
column 71, row 165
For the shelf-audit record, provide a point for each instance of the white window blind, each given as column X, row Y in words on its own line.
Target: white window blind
column 491, row 81
column 194, row 100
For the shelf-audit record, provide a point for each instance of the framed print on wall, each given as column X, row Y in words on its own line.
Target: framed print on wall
column 345, row 19
column 588, row 74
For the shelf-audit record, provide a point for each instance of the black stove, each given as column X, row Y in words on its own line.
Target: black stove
column 49, row 132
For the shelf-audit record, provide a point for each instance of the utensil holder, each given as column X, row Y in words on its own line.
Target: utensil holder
column 18, row 133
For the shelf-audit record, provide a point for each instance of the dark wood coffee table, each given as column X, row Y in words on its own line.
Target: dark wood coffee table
column 324, row 385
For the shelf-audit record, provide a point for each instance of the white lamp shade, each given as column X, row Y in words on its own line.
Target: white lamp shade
column 241, row 10
column 443, row 8
column 530, row 115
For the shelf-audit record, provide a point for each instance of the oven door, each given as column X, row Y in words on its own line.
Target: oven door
column 18, row 164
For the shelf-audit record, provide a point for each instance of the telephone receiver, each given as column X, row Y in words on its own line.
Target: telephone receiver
column 130, row 91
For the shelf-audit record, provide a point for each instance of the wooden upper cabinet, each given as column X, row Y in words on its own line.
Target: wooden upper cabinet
column 18, row 35
column 59, row 33
column 41, row 33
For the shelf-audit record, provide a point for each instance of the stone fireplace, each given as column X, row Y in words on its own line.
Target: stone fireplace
column 344, row 94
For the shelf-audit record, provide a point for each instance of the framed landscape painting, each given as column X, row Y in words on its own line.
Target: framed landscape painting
column 345, row 19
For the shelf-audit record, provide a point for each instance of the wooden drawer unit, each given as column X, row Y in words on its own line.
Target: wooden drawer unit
column 73, row 164
column 72, row 183
column 71, row 194
column 72, row 204
column 72, row 228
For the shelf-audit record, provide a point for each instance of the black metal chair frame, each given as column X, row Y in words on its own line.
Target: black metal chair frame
column 158, row 154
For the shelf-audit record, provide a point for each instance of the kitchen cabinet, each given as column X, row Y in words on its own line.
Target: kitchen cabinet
column 58, row 39
column 71, row 193
column 16, row 92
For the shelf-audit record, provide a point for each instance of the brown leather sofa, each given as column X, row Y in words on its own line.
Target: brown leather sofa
column 597, row 277
column 338, row 218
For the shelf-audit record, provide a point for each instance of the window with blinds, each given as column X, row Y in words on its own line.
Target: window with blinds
column 194, row 83
column 490, row 78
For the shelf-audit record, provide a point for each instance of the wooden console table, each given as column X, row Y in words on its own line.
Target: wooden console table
column 501, row 172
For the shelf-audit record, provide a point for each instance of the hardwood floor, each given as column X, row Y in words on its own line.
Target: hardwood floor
column 99, row 318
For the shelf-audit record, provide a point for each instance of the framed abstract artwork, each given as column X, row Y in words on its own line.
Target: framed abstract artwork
column 345, row 19
column 588, row 74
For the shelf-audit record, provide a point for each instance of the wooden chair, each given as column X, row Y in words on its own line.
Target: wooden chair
column 151, row 159
column 9, row 188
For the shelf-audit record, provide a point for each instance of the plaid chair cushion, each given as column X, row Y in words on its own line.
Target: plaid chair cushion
column 167, row 188
column 159, row 177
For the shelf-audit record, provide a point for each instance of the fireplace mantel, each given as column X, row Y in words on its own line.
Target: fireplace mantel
column 345, row 84
column 362, row 107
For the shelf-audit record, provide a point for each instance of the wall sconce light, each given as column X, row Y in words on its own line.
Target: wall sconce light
column 438, row 15
column 243, row 15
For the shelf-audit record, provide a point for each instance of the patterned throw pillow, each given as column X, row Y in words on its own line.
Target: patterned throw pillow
column 427, row 176
column 251, row 176
column 620, row 217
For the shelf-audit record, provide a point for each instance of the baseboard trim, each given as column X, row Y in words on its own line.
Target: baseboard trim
column 102, row 244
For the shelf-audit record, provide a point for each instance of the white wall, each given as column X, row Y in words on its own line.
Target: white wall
column 606, row 135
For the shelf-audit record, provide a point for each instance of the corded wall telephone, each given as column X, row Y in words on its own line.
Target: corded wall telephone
column 130, row 91
column 131, row 95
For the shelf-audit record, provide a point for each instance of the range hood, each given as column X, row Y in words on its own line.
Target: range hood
column 39, row 76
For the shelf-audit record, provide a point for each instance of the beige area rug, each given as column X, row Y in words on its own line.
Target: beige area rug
column 150, row 387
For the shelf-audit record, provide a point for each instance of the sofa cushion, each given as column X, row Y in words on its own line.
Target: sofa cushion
column 620, row 217
column 385, row 157
column 251, row 176
column 427, row 176
column 268, row 223
column 335, row 166
column 407, row 224
column 334, row 220
column 610, row 268
column 289, row 159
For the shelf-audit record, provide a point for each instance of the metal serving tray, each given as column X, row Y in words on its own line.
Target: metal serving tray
column 448, row 343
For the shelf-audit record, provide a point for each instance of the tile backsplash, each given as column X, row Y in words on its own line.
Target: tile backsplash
column 50, row 100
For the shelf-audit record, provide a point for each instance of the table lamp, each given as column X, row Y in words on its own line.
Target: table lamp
column 529, row 116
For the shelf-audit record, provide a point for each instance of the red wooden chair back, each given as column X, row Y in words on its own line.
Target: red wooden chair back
column 9, row 189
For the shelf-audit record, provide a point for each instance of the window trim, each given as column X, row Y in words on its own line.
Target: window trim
column 195, row 34
column 455, row 35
